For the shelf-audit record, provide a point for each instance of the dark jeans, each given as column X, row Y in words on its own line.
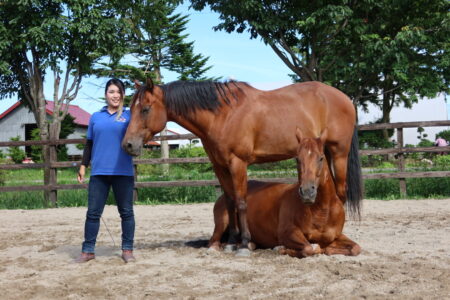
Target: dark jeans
column 99, row 187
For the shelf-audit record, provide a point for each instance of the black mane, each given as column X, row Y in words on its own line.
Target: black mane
column 184, row 97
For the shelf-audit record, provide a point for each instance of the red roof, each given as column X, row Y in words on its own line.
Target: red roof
column 81, row 116
column 13, row 107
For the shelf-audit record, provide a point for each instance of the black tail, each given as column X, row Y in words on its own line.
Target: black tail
column 354, row 179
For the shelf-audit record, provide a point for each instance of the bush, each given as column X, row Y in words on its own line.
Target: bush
column 372, row 160
column 415, row 188
column 442, row 161
column 17, row 155
column 381, row 189
column 36, row 151
column 445, row 134
column 428, row 187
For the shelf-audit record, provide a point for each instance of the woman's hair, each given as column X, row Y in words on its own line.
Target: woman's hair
column 121, row 86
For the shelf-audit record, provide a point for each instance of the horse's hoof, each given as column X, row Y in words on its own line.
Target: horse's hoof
column 229, row 248
column 243, row 252
column 212, row 251
column 278, row 248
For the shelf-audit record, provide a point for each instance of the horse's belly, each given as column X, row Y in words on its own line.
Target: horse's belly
column 263, row 200
column 264, row 236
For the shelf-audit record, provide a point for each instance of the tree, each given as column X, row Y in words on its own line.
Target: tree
column 445, row 134
column 158, row 42
column 63, row 39
column 67, row 128
column 381, row 52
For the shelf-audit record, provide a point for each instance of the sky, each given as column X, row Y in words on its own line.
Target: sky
column 232, row 56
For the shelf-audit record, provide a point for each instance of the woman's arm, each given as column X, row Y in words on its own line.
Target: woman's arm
column 85, row 160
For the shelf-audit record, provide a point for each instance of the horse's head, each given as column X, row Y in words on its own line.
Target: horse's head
column 310, row 160
column 148, row 117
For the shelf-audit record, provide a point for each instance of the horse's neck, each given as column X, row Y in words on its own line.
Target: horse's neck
column 326, row 187
column 198, row 122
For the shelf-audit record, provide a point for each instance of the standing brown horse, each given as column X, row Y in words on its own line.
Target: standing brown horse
column 240, row 125
column 294, row 215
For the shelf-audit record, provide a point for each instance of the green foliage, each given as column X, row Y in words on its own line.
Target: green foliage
column 67, row 128
column 442, row 161
column 2, row 172
column 374, row 139
column 415, row 188
column 381, row 189
column 159, row 40
column 81, row 146
column 59, row 35
column 177, row 195
column 382, row 52
column 36, row 151
column 17, row 155
column 425, row 143
column 445, row 134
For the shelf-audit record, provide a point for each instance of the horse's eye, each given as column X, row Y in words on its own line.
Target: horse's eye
column 146, row 109
column 321, row 159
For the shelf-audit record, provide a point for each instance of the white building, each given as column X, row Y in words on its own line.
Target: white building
column 18, row 120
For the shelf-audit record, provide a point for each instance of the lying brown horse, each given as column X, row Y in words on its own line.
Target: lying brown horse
column 240, row 125
column 294, row 215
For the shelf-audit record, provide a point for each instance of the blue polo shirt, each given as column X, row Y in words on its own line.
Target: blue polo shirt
column 106, row 133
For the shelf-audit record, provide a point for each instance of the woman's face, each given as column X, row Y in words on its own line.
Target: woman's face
column 113, row 96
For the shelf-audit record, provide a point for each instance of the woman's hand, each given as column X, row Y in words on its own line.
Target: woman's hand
column 81, row 173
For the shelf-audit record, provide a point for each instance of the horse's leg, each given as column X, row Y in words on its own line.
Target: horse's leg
column 296, row 244
column 339, row 155
column 238, row 171
column 342, row 245
column 220, row 223
column 227, row 185
column 308, row 251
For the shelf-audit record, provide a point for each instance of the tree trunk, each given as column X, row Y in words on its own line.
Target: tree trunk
column 164, row 144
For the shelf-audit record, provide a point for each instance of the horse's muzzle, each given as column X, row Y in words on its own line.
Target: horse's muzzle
column 308, row 194
column 132, row 146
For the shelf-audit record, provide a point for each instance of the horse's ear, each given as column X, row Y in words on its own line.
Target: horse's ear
column 324, row 135
column 149, row 83
column 137, row 84
column 298, row 134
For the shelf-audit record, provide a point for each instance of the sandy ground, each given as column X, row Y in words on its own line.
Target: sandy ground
column 405, row 256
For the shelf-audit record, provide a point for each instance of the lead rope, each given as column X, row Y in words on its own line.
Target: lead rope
column 108, row 231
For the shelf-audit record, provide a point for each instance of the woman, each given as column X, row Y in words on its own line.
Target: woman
column 111, row 167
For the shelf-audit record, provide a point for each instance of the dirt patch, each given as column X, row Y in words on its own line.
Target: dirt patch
column 405, row 256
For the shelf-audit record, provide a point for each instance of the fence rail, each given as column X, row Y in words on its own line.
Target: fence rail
column 399, row 150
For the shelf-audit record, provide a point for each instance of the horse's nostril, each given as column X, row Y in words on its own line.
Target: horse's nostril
column 129, row 146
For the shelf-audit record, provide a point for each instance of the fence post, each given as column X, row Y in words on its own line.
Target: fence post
column 53, row 193
column 401, row 162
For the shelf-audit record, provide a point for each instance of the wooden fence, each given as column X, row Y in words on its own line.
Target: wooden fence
column 399, row 150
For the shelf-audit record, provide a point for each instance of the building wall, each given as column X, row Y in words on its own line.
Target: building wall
column 13, row 125
column 80, row 133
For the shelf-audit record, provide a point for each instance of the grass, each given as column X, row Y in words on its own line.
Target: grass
column 386, row 189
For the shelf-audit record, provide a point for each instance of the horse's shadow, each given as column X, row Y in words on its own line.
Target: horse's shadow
column 198, row 243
